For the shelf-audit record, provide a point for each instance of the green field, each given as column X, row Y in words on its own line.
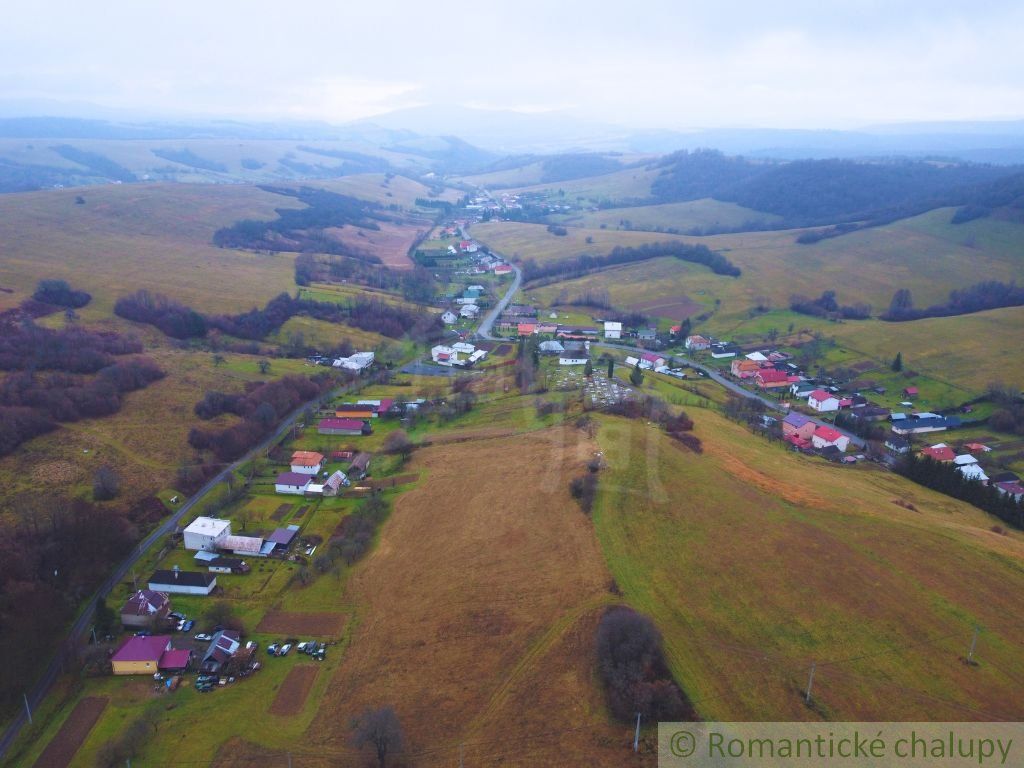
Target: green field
column 679, row 216
column 627, row 184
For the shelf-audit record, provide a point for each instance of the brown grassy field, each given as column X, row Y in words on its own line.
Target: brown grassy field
column 390, row 244
column 379, row 188
column 292, row 624
column 126, row 237
column 682, row 216
column 756, row 562
column 480, row 595
column 291, row 696
column 627, row 184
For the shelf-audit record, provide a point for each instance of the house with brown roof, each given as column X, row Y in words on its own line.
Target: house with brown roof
column 796, row 424
column 360, row 465
column 742, row 368
column 769, row 378
column 307, row 462
column 145, row 608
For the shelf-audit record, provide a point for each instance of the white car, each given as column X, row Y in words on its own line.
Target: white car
column 284, row 649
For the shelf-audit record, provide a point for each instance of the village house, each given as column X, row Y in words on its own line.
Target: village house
column 922, row 422
column 827, row 436
column 612, row 330
column 526, row 329
column 722, row 350
column 974, row 472
column 292, row 482
column 551, row 347
column 145, row 609
column 896, row 444
column 253, row 546
column 1012, row 488
column 799, row 425
column 343, row 427
column 939, row 452
column 222, row 647
column 823, row 401
column 647, row 335
column 449, row 318
column 769, row 378
column 148, row 655
column 307, row 462
column 223, row 564
column 503, row 269
column 205, row 533
column 697, row 343
column 744, row 369
column 177, row 581
column 651, row 360
column 469, row 311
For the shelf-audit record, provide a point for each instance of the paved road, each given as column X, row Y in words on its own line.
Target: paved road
column 487, row 324
column 84, row 620
column 732, row 386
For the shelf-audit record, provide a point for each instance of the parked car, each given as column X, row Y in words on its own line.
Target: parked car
column 187, row 625
column 203, row 636
column 272, row 649
column 176, row 615
column 284, row 649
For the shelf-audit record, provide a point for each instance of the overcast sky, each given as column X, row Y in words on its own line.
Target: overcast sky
column 651, row 63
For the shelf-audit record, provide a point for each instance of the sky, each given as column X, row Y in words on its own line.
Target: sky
column 643, row 64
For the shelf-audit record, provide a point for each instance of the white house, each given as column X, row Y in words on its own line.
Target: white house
column 181, row 582
column 613, row 330
column 964, row 459
column 205, row 533
column 825, row 436
column 307, row 462
column 696, row 343
column 822, row 401
column 292, row 482
column 573, row 355
column 551, row 347
column 469, row 310
column 449, row 317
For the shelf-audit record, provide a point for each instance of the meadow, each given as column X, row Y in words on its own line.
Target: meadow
column 627, row 184
column 756, row 563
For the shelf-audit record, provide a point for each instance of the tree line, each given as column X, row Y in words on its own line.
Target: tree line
column 826, row 305
column 990, row 294
column 369, row 314
column 261, row 408
column 945, row 477
column 568, row 269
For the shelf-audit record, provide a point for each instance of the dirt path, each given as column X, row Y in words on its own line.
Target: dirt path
column 62, row 748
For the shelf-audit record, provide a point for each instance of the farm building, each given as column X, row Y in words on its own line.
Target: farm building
column 360, row 465
column 824, row 437
column 921, row 423
column 823, row 401
column 246, row 545
column 307, row 462
column 334, row 483
column 343, row 427
column 181, row 582
column 357, row 362
column 613, row 330
column 799, row 425
column 203, row 533
column 361, row 411
column 221, row 564
column 141, row 655
column 291, row 482
column 145, row 608
column 282, row 538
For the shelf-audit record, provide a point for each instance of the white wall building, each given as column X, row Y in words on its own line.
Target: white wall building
column 204, row 533
column 613, row 330
column 822, row 401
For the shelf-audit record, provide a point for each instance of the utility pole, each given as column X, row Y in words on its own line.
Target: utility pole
column 28, row 709
column 974, row 643
column 289, row 760
column 810, row 682
column 461, row 755
column 636, row 736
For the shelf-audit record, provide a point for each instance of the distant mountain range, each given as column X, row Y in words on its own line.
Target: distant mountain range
column 504, row 132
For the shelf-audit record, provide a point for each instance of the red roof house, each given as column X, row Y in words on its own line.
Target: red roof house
column 769, row 378
column 527, row 329
column 140, row 655
column 939, row 452
column 825, row 436
column 175, row 659
column 910, row 391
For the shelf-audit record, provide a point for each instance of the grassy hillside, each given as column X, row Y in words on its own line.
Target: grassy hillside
column 127, row 237
column 926, row 254
column 756, row 563
column 706, row 213
column 627, row 184
column 379, row 188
